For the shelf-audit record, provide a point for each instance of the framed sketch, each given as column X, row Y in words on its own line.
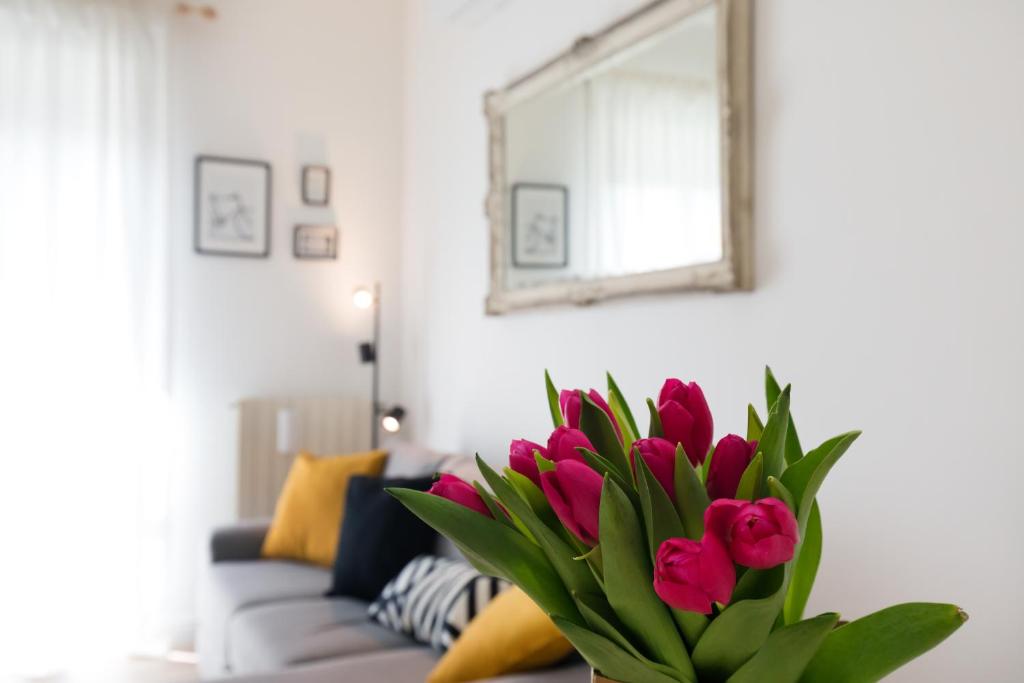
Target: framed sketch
column 232, row 207
column 316, row 185
column 540, row 225
column 315, row 242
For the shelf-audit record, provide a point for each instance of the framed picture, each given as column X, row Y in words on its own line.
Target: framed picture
column 232, row 207
column 540, row 225
column 316, row 185
column 315, row 242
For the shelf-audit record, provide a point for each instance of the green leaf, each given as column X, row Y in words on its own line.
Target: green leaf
column 575, row 575
column 496, row 510
column 553, row 405
column 655, row 429
column 602, row 466
column 509, row 552
column 771, row 388
column 804, row 477
column 691, row 624
column 793, row 451
column 624, row 416
column 754, row 424
column 660, row 517
column 691, row 498
column 529, row 492
column 776, row 489
column 750, row 483
column 598, row 427
column 705, row 466
column 611, row 660
column 602, row 619
column 876, row 645
column 773, row 439
column 742, row 628
column 543, row 464
column 628, row 585
column 786, row 653
column 805, row 569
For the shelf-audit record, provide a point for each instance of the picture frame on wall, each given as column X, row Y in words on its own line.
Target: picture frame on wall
column 316, row 185
column 315, row 242
column 540, row 225
column 232, row 207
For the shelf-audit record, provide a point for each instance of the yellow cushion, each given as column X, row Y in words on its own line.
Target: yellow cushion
column 511, row 634
column 308, row 514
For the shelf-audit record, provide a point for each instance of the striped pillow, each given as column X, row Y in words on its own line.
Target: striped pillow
column 433, row 599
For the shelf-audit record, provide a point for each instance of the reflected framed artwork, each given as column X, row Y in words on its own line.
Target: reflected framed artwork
column 540, row 225
column 232, row 207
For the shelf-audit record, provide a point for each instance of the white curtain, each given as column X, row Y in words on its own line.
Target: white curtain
column 653, row 187
column 83, row 412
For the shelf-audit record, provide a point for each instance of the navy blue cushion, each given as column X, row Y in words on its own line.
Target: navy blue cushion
column 379, row 536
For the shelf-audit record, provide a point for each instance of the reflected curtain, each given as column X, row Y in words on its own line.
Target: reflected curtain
column 83, row 310
column 653, row 187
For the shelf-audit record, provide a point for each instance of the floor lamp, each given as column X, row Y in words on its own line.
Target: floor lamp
column 381, row 417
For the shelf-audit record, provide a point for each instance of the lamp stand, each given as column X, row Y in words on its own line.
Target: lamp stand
column 375, row 392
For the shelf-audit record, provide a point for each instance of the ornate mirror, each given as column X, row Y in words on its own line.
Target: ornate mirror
column 623, row 165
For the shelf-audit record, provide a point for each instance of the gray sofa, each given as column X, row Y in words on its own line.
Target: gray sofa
column 267, row 620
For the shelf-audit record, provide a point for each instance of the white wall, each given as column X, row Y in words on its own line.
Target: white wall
column 292, row 83
column 889, row 219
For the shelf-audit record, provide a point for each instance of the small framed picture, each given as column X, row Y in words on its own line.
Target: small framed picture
column 315, row 242
column 540, row 225
column 316, row 185
column 232, row 207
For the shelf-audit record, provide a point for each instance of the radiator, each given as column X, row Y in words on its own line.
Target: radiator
column 272, row 430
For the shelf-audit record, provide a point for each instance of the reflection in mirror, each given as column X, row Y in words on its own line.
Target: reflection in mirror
column 617, row 171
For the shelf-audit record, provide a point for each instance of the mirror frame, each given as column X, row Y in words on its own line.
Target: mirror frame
column 735, row 270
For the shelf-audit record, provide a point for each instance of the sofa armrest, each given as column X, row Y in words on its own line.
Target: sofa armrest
column 239, row 541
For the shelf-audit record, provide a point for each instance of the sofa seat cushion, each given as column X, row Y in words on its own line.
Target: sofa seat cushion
column 237, row 585
column 408, row 665
column 279, row 635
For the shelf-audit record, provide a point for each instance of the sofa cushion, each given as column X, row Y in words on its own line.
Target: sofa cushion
column 379, row 536
column 279, row 635
column 309, row 509
column 242, row 584
column 228, row 587
column 408, row 665
column 433, row 599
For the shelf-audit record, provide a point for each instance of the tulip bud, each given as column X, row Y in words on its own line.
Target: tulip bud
column 564, row 441
column 686, row 418
column 660, row 457
column 759, row 535
column 458, row 491
column 574, row 492
column 522, row 460
column 572, row 406
column 732, row 455
column 691, row 575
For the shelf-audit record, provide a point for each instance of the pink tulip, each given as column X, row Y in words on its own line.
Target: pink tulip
column 685, row 418
column 458, row 491
column 571, row 404
column 691, row 575
column 564, row 441
column 732, row 455
column 574, row 492
column 759, row 535
column 660, row 457
column 522, row 460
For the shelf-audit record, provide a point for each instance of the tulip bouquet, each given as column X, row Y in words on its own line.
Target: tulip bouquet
column 666, row 559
